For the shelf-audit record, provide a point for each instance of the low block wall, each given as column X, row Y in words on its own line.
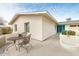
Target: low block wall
column 2, row 41
column 69, row 41
column 3, row 38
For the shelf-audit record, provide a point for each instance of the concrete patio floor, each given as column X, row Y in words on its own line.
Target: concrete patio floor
column 49, row 47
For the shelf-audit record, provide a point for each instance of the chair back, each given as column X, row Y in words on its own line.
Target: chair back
column 24, row 34
column 27, row 39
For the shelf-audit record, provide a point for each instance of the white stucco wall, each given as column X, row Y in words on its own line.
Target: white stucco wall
column 35, row 25
column 48, row 27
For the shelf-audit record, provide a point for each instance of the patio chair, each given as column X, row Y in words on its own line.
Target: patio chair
column 24, row 34
column 26, row 41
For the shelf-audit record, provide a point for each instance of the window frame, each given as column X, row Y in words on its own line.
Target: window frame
column 72, row 25
column 25, row 27
column 78, row 25
column 15, row 27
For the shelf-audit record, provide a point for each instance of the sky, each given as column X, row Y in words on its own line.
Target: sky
column 60, row 11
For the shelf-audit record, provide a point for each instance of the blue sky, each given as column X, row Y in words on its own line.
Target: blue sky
column 59, row 11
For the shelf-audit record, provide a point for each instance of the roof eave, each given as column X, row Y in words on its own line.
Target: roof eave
column 40, row 13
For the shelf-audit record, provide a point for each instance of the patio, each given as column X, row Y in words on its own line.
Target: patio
column 49, row 47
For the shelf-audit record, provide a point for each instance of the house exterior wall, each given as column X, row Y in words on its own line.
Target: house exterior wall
column 35, row 25
column 76, row 29
column 49, row 27
column 40, row 27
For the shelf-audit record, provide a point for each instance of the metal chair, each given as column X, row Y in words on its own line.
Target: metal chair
column 26, row 40
column 24, row 34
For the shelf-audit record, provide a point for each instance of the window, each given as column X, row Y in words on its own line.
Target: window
column 72, row 25
column 15, row 27
column 26, row 27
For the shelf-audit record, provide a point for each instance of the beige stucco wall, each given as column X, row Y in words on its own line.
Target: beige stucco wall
column 35, row 25
column 76, row 29
column 48, row 27
column 40, row 27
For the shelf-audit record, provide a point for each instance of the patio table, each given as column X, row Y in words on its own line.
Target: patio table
column 14, row 39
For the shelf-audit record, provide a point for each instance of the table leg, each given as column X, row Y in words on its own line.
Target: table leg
column 15, row 44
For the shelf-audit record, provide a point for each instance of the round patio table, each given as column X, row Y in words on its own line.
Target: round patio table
column 14, row 39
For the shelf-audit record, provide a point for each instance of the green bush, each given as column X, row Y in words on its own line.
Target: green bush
column 68, row 33
column 71, row 32
column 6, row 30
column 64, row 33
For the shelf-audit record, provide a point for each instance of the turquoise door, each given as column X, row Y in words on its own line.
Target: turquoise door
column 60, row 28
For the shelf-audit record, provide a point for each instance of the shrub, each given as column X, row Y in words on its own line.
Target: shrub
column 64, row 33
column 68, row 33
column 6, row 30
column 71, row 32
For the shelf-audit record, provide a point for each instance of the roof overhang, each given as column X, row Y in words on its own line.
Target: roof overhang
column 45, row 13
column 69, row 22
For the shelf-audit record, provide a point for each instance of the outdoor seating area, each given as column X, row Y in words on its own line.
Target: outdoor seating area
column 49, row 47
column 32, row 47
column 18, row 41
column 23, row 45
